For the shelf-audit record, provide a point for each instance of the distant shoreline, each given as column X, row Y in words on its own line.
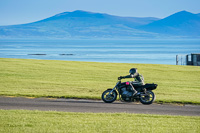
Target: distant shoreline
column 47, row 54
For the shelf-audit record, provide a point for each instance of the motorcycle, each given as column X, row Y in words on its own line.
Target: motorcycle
column 142, row 93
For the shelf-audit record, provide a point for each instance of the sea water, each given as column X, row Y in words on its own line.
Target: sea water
column 117, row 51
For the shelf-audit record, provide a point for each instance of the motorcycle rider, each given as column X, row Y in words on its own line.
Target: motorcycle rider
column 138, row 79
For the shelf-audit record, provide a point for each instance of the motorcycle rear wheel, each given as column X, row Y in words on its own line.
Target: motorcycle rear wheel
column 147, row 98
column 109, row 98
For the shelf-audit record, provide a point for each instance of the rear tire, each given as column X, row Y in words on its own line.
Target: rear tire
column 147, row 98
column 109, row 98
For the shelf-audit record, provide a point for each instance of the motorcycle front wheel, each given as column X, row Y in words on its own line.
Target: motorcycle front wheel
column 109, row 98
column 147, row 98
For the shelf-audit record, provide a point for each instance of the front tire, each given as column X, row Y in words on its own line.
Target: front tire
column 147, row 98
column 109, row 98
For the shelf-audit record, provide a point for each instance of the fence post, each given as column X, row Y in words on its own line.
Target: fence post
column 176, row 59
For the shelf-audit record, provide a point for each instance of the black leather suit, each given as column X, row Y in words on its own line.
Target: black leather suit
column 138, row 80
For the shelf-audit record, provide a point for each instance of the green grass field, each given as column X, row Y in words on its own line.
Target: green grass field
column 21, row 121
column 73, row 79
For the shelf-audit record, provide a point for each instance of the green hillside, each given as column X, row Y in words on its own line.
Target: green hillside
column 73, row 79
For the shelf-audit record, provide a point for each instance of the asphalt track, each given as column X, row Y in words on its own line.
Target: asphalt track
column 95, row 106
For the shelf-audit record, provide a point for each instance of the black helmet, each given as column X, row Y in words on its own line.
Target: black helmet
column 133, row 70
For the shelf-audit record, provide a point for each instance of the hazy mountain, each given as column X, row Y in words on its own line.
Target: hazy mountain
column 82, row 24
column 180, row 24
column 79, row 24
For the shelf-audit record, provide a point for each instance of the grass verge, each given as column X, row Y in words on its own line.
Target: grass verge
column 73, row 79
column 24, row 121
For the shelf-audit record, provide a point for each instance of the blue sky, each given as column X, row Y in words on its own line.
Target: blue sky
column 25, row 11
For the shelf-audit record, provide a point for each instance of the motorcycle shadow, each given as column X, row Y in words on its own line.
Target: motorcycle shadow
column 93, row 101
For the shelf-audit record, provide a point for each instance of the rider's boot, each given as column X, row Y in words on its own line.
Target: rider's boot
column 133, row 90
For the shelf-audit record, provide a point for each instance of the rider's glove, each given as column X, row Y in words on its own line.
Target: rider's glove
column 119, row 78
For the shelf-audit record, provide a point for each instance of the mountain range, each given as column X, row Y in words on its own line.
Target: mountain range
column 83, row 24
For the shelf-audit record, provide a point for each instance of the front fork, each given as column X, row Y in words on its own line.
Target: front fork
column 114, row 88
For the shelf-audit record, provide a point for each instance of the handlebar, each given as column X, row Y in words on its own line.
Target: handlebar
column 121, row 77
